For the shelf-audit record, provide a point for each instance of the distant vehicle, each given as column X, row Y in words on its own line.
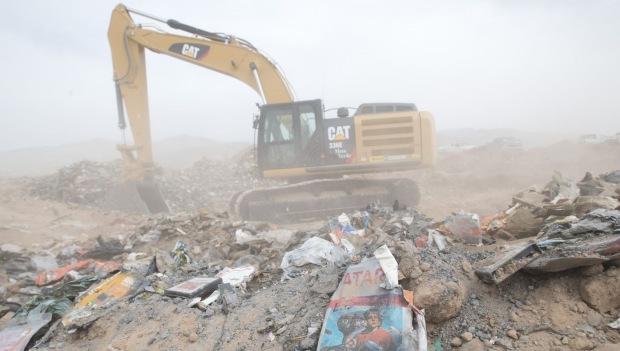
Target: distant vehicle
column 457, row 146
column 614, row 139
column 592, row 139
column 506, row 143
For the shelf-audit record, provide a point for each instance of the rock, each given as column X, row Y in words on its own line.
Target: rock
column 467, row 267
column 416, row 273
column 425, row 266
column 193, row 337
column 513, row 317
column 406, row 265
column 474, row 345
column 456, row 342
column 467, row 336
column 324, row 281
column 308, row 343
column 440, row 301
column 580, row 343
column 512, row 334
column 592, row 270
column 601, row 292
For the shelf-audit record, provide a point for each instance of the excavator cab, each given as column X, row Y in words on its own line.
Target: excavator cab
column 288, row 137
column 297, row 141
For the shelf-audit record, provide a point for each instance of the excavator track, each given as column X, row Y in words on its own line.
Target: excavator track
column 317, row 199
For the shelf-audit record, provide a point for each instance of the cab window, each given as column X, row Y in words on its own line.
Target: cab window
column 278, row 126
column 307, row 119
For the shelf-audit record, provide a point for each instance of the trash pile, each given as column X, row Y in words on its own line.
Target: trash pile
column 82, row 183
column 381, row 278
column 566, row 225
column 207, row 185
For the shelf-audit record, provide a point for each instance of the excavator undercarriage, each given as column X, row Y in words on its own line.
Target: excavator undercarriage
column 317, row 199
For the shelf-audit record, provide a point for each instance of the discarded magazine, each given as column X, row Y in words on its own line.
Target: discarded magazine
column 362, row 315
column 103, row 294
column 17, row 336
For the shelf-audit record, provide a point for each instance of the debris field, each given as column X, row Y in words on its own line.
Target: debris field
column 508, row 250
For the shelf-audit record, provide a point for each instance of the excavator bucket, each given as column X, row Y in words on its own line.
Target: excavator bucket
column 136, row 197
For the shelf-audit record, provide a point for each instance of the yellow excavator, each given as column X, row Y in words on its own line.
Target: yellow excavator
column 295, row 140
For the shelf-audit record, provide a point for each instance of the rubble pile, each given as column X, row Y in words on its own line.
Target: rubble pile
column 207, row 185
column 277, row 268
column 544, row 274
column 82, row 183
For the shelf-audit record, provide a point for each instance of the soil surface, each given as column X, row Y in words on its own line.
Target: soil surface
column 525, row 312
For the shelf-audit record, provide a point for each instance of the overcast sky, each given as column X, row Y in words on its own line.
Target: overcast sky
column 533, row 65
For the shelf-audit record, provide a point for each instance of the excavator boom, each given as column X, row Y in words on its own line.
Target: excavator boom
column 225, row 54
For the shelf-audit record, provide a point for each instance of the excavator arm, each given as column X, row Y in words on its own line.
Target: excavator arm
column 225, row 54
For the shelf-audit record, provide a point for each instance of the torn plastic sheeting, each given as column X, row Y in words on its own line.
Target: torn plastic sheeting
column 242, row 236
column 105, row 250
column 364, row 316
column 96, row 268
column 344, row 225
column 361, row 219
column 465, row 226
column 49, row 277
column 45, row 304
column 389, row 265
column 601, row 220
column 611, row 177
column 277, row 237
column 576, row 255
column 434, row 237
column 560, row 189
column 315, row 251
column 180, row 255
column 44, row 263
column 103, row 268
column 615, row 324
column 348, row 247
column 343, row 220
column 492, row 223
column 16, row 338
column 554, row 242
column 556, row 229
column 70, row 289
column 604, row 247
